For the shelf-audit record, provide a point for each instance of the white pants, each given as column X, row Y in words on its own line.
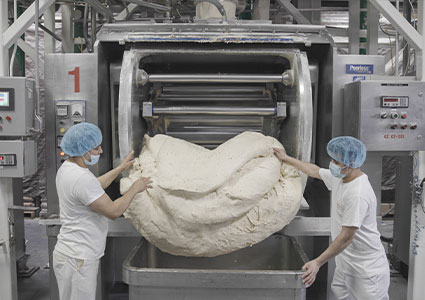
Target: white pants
column 346, row 287
column 76, row 278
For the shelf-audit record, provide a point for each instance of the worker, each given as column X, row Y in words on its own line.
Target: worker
column 362, row 270
column 84, row 211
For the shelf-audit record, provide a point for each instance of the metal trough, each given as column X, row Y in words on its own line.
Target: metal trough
column 268, row 270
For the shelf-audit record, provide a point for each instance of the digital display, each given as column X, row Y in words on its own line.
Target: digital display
column 395, row 101
column 7, row 159
column 4, row 99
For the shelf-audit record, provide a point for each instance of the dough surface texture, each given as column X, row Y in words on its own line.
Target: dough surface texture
column 212, row 202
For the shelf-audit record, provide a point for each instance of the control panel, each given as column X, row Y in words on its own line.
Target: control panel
column 16, row 106
column 386, row 115
column 17, row 158
column 68, row 113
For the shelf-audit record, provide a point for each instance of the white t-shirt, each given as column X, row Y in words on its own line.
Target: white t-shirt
column 354, row 205
column 83, row 232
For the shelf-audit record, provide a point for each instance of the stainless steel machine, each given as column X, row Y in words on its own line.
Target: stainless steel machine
column 204, row 83
column 17, row 159
column 387, row 114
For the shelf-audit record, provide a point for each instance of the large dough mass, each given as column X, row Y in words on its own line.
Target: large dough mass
column 211, row 202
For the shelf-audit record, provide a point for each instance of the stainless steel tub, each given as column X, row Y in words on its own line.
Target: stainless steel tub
column 268, row 270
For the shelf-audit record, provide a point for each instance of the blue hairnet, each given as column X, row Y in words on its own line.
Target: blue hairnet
column 81, row 138
column 347, row 150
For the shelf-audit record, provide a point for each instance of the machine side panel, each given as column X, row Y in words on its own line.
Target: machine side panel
column 351, row 109
column 68, row 77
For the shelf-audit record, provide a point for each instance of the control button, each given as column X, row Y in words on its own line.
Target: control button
column 403, row 125
column 62, row 130
column 403, row 115
column 62, row 153
column 394, row 115
column 394, row 126
column 62, row 122
column 8, row 118
column 384, row 115
column 413, row 126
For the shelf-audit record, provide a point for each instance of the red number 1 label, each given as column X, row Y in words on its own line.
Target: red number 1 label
column 76, row 73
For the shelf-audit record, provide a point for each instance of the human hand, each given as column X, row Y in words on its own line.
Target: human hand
column 142, row 184
column 127, row 162
column 311, row 268
column 280, row 153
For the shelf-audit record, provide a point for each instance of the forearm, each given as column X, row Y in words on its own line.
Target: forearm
column 121, row 204
column 308, row 168
column 107, row 178
column 335, row 248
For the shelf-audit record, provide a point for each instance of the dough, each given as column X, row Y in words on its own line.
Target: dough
column 212, row 202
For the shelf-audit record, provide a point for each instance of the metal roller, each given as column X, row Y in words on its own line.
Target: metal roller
column 143, row 77
column 214, row 110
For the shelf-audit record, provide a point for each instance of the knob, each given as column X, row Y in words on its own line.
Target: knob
column 413, row 126
column 403, row 126
column 384, row 115
column 394, row 126
column 403, row 115
column 8, row 118
column 394, row 115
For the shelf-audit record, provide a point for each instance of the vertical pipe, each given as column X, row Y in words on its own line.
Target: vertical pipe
column 49, row 22
column 67, row 40
column 93, row 27
column 363, row 25
column 261, row 10
column 407, row 12
column 397, row 47
column 420, row 61
column 4, row 55
column 78, row 29
column 372, row 29
column 354, row 25
column 37, row 68
column 15, row 47
column 415, row 285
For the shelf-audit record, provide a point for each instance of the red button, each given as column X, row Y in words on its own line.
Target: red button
column 403, row 116
column 8, row 118
column 394, row 126
column 413, row 126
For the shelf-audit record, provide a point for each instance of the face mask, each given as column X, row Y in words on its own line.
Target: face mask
column 94, row 160
column 336, row 170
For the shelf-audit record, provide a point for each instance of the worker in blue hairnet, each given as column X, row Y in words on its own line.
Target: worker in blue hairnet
column 84, row 211
column 362, row 270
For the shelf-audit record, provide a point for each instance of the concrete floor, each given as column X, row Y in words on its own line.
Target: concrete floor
column 37, row 286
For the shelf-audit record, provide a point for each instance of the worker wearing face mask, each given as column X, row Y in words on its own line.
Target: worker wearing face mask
column 84, row 211
column 362, row 270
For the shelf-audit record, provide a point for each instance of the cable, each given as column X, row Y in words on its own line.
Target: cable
column 417, row 199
